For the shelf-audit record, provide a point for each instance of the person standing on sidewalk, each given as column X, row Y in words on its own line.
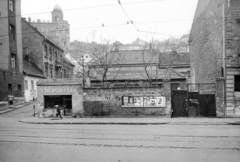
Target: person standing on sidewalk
column 58, row 112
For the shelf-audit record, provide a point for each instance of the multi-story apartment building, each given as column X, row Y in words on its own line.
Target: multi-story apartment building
column 45, row 53
column 57, row 30
column 11, row 59
column 215, row 52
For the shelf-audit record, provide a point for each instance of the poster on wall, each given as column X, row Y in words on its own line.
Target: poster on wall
column 132, row 101
column 153, row 101
column 139, row 101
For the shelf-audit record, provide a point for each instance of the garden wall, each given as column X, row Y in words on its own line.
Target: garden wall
column 108, row 102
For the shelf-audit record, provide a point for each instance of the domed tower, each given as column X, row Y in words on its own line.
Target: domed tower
column 57, row 14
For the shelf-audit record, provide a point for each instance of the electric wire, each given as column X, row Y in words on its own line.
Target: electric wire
column 82, row 8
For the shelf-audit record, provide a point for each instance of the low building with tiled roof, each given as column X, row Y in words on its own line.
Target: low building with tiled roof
column 31, row 76
column 141, row 67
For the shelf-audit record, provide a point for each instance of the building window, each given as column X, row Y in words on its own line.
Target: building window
column 237, row 83
column 46, row 69
column 57, row 18
column 10, row 89
column 19, row 89
column 64, row 73
column 26, row 85
column 56, row 56
column 45, row 51
column 12, row 32
column 51, row 71
column 61, row 74
column 13, row 60
column 56, row 72
column 32, row 85
column 50, row 53
column 60, row 58
column 11, row 4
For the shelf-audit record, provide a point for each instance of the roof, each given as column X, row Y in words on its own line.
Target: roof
column 150, row 57
column 62, row 82
column 31, row 69
column 140, row 74
column 67, row 61
column 41, row 34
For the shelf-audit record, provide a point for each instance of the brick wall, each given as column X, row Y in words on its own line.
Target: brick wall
column 112, row 103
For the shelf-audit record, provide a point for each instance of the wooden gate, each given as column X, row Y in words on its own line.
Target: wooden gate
column 198, row 100
column 179, row 107
column 201, row 100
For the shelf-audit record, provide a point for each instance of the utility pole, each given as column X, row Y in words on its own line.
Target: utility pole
column 83, row 71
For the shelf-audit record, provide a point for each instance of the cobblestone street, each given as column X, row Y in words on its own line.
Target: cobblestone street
column 38, row 142
column 14, row 116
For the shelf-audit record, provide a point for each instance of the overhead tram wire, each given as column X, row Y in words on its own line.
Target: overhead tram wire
column 83, row 8
column 130, row 20
column 112, row 25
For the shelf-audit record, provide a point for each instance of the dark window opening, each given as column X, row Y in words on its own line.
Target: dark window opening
column 50, row 53
column 56, row 56
column 19, row 89
column 237, row 83
column 10, row 89
column 12, row 32
column 222, row 72
column 46, row 69
column 51, row 71
column 45, row 51
column 61, row 100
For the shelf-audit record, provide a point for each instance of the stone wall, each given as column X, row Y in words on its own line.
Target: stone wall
column 220, row 98
column 206, row 42
column 111, row 101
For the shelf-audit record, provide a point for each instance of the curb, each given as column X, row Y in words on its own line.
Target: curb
column 92, row 123
column 127, row 123
column 234, row 123
column 15, row 108
column 207, row 123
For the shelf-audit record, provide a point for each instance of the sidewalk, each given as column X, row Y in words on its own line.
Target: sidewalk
column 134, row 121
column 14, row 107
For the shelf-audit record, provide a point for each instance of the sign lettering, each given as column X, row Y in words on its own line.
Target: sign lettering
column 58, row 90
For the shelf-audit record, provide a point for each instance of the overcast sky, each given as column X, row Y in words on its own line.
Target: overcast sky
column 152, row 18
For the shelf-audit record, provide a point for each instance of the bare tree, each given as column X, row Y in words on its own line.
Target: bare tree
column 106, row 63
column 152, row 58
